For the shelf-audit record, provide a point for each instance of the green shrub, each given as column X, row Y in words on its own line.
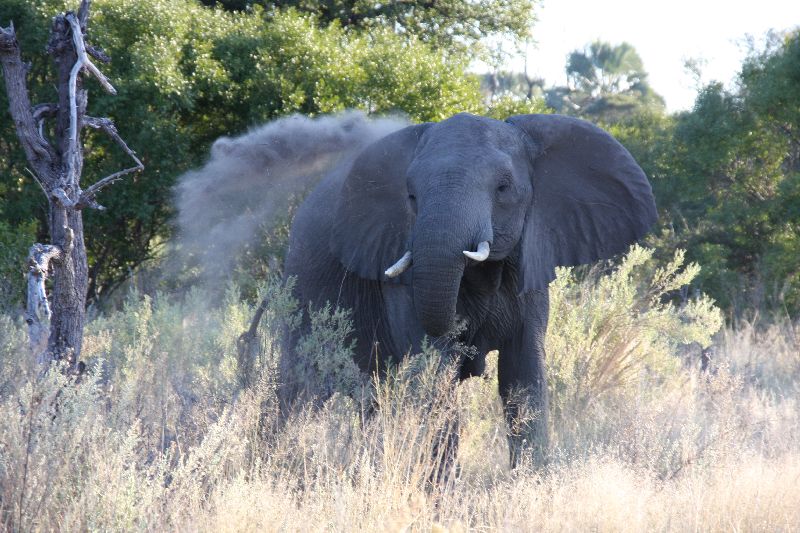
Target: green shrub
column 606, row 331
column 329, row 350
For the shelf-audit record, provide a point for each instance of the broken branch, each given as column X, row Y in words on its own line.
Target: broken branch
column 40, row 113
column 83, row 58
column 38, row 308
column 87, row 197
column 83, row 13
column 98, row 54
column 245, row 345
column 82, row 62
column 43, row 111
column 37, row 180
column 59, row 195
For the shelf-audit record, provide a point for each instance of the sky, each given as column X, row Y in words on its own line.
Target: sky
column 664, row 33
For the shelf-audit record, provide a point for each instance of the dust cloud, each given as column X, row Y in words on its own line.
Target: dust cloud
column 250, row 181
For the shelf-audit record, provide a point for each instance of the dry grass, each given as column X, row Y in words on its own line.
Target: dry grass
column 159, row 436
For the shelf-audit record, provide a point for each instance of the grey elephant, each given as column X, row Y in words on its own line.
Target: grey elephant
column 465, row 218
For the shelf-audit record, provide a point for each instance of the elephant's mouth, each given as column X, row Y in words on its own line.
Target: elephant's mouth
column 404, row 263
column 436, row 278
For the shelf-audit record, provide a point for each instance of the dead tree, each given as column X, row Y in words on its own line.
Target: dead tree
column 56, row 165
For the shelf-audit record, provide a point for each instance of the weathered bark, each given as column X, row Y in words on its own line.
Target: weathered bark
column 57, row 169
column 38, row 308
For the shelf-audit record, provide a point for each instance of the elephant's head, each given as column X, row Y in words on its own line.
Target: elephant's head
column 442, row 197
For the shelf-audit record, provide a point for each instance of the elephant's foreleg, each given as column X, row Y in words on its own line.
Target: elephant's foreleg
column 445, row 467
column 523, row 382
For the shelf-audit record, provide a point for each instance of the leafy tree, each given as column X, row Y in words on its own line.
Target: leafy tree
column 726, row 177
column 187, row 74
column 771, row 83
column 603, row 68
column 605, row 82
column 446, row 24
column 506, row 105
column 14, row 245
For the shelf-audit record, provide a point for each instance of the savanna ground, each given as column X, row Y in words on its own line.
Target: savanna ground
column 161, row 433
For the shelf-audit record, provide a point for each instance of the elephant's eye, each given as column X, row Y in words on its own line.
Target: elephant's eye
column 504, row 187
column 413, row 201
column 504, row 191
column 503, row 183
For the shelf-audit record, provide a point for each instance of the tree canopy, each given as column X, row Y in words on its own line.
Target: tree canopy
column 605, row 82
column 727, row 177
column 187, row 74
column 446, row 24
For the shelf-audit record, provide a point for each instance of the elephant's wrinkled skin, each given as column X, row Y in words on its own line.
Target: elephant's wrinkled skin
column 542, row 190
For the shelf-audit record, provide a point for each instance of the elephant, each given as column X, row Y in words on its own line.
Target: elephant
column 465, row 220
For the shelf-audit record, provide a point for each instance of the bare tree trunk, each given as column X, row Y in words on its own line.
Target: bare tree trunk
column 57, row 168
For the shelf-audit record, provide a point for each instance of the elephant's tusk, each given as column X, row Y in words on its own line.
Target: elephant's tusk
column 399, row 267
column 482, row 254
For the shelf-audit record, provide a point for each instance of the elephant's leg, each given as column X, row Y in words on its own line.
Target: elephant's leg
column 523, row 382
column 444, row 454
column 474, row 364
column 445, row 450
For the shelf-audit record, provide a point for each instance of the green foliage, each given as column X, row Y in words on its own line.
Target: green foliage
column 605, row 83
column 771, row 84
column 648, row 136
column 289, row 66
column 506, row 105
column 607, row 331
column 14, row 245
column 330, row 352
column 726, row 177
column 605, row 68
column 446, row 24
column 499, row 83
column 187, row 74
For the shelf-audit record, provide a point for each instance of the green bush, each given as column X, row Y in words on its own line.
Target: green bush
column 608, row 331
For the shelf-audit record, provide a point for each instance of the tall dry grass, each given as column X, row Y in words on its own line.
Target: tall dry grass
column 159, row 435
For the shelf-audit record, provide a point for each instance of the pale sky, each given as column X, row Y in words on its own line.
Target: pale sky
column 665, row 33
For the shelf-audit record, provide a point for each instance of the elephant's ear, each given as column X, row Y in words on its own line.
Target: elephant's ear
column 373, row 217
column 591, row 198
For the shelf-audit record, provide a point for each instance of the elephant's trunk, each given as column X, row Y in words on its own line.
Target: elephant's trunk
column 438, row 265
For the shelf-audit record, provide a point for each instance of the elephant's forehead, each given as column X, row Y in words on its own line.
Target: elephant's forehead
column 471, row 133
